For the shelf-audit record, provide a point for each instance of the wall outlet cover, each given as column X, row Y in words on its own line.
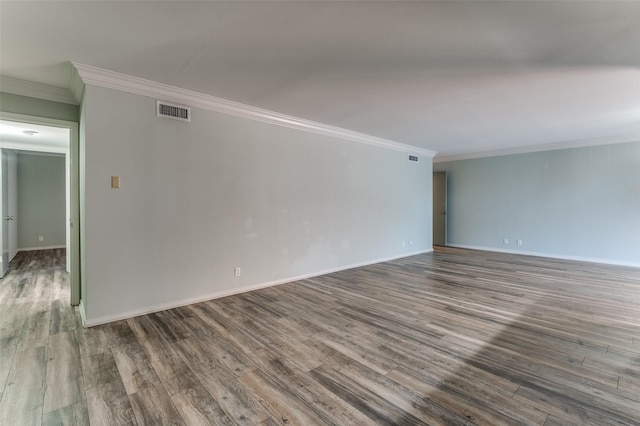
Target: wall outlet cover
column 115, row 182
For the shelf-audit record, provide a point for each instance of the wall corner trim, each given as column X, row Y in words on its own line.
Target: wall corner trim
column 113, row 80
column 31, row 89
column 76, row 85
column 83, row 314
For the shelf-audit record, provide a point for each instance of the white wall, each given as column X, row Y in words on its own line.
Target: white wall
column 581, row 203
column 41, row 200
column 201, row 198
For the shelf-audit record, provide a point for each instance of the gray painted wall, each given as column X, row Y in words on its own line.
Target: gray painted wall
column 18, row 104
column 579, row 203
column 41, row 201
column 200, row 198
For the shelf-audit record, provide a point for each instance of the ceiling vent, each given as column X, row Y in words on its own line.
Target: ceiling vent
column 177, row 112
column 413, row 158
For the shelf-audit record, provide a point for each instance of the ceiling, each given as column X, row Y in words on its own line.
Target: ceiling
column 33, row 137
column 454, row 77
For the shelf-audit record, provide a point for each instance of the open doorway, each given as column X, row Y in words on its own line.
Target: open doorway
column 440, row 208
column 40, row 156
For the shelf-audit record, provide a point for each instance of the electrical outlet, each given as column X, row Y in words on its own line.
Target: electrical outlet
column 505, row 241
column 40, row 237
column 519, row 242
column 237, row 271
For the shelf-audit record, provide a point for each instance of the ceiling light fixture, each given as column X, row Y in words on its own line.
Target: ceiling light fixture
column 30, row 132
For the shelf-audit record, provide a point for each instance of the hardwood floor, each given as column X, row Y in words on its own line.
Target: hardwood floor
column 454, row 337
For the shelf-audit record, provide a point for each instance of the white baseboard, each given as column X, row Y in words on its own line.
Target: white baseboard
column 217, row 295
column 40, row 248
column 549, row 255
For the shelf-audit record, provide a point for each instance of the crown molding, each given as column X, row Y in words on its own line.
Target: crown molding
column 113, row 80
column 580, row 143
column 32, row 89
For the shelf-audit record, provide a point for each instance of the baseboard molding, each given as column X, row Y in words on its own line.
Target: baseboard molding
column 218, row 295
column 40, row 248
column 549, row 255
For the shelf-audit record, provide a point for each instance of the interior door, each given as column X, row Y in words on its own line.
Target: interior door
column 440, row 209
column 4, row 178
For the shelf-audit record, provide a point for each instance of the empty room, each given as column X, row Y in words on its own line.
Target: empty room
column 320, row 213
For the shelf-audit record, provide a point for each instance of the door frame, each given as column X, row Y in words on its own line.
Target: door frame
column 4, row 185
column 73, row 186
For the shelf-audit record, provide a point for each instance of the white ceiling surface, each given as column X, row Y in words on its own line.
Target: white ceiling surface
column 46, row 138
column 453, row 77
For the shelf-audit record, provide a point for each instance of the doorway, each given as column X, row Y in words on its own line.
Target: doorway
column 29, row 135
column 440, row 208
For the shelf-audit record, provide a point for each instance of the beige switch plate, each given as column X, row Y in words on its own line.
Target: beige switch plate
column 115, row 181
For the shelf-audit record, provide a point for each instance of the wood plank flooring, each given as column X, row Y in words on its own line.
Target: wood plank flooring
column 454, row 337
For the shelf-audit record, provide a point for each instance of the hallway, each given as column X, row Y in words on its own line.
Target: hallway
column 40, row 374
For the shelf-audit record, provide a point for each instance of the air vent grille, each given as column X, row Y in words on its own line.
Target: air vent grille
column 177, row 112
column 413, row 158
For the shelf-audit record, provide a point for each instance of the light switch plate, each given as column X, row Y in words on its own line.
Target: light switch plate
column 115, row 182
